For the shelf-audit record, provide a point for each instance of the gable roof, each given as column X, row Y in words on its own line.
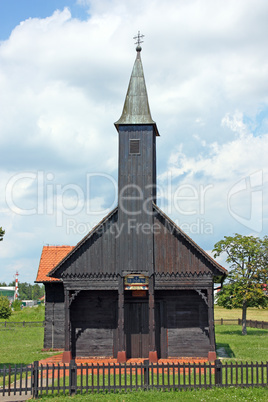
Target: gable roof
column 222, row 270
column 66, row 252
column 96, row 229
column 50, row 257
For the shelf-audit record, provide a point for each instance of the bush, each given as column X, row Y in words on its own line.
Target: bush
column 5, row 309
column 16, row 305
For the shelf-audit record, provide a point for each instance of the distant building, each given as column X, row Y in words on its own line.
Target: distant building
column 8, row 291
column 28, row 303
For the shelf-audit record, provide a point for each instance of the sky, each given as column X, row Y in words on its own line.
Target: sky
column 64, row 72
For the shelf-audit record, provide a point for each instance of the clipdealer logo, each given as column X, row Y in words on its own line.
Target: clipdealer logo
column 250, row 190
column 37, row 193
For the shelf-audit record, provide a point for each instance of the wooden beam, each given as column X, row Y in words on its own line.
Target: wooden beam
column 211, row 318
column 152, row 351
column 67, row 344
column 121, row 336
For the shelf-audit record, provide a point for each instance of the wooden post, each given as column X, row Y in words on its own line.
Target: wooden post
column 212, row 352
column 152, row 351
column 121, row 354
column 67, row 354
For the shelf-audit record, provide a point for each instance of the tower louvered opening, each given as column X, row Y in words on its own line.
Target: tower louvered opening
column 134, row 147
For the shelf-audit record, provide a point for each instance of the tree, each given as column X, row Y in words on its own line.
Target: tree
column 2, row 232
column 30, row 292
column 5, row 309
column 248, row 259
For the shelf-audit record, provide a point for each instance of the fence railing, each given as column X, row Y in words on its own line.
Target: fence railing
column 238, row 321
column 38, row 379
column 21, row 324
column 221, row 321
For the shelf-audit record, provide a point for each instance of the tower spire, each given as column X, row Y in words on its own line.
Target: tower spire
column 136, row 108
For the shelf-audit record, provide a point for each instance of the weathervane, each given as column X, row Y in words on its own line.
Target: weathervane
column 139, row 41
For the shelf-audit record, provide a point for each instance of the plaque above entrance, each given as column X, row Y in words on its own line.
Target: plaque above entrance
column 136, row 282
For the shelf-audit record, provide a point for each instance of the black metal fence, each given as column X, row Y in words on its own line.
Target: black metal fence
column 38, row 379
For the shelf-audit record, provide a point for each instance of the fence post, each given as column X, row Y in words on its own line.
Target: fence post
column 221, row 321
column 72, row 377
column 218, row 372
column 35, row 380
column 9, row 379
column 146, row 373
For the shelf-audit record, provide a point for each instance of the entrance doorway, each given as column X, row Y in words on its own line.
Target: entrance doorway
column 137, row 329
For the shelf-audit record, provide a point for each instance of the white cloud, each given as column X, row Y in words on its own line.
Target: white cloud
column 63, row 83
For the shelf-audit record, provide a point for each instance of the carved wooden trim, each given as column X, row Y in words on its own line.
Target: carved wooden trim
column 89, row 275
column 73, row 297
column 204, row 297
column 169, row 276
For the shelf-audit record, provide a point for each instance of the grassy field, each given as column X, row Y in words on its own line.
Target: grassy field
column 214, row 394
column 252, row 347
column 252, row 313
column 27, row 314
column 23, row 345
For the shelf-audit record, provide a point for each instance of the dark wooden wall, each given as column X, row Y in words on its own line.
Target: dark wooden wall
column 135, row 244
column 54, row 310
column 173, row 253
column 96, row 255
column 185, row 322
column 93, row 323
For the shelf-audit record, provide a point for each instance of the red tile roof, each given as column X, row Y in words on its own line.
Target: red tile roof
column 50, row 257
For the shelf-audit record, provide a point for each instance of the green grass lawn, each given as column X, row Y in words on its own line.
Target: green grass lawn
column 253, row 313
column 250, row 347
column 27, row 314
column 22, row 345
column 214, row 394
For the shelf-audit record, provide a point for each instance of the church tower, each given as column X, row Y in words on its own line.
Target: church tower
column 136, row 176
column 136, row 195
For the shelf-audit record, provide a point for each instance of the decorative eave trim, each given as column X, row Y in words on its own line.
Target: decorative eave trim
column 90, row 276
column 175, row 275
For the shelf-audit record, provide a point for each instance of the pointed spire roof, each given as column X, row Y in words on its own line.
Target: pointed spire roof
column 136, row 108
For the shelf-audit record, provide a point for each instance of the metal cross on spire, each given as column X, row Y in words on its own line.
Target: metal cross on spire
column 139, row 41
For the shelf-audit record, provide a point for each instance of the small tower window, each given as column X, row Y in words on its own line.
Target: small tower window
column 134, row 147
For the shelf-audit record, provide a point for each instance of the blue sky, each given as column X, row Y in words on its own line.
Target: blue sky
column 64, row 72
column 12, row 12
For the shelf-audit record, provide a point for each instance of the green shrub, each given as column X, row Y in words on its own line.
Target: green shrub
column 5, row 309
column 16, row 305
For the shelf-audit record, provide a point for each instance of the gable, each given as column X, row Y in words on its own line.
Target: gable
column 177, row 254
column 94, row 255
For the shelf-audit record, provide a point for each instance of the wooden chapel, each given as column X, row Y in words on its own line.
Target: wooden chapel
column 146, row 292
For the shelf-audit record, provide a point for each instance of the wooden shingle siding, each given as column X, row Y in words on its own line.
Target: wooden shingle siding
column 174, row 254
column 97, row 255
column 54, row 309
column 93, row 318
